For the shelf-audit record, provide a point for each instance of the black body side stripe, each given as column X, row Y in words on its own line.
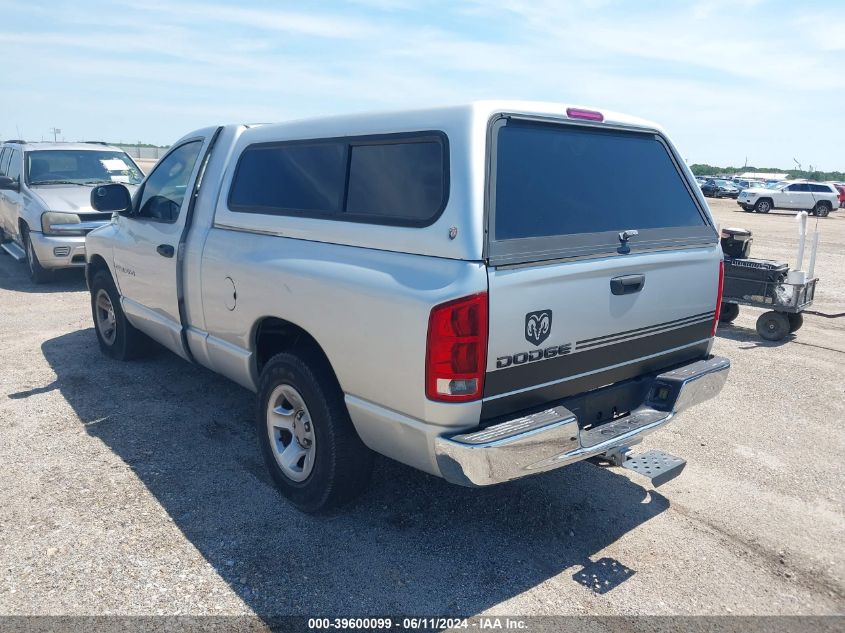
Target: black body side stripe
column 503, row 381
column 647, row 327
column 653, row 329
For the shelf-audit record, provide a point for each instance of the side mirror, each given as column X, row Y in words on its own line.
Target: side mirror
column 9, row 184
column 112, row 197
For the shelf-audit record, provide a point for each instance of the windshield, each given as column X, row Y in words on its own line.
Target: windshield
column 80, row 167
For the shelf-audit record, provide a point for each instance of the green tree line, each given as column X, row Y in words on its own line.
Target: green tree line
column 703, row 169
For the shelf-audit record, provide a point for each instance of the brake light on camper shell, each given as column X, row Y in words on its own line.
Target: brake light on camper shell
column 587, row 115
column 456, row 350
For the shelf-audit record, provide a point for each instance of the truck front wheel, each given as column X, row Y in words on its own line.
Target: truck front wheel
column 307, row 439
column 117, row 337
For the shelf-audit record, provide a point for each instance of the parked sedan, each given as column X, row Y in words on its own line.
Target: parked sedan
column 742, row 183
column 718, row 188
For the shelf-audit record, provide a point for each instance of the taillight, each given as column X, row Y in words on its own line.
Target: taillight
column 719, row 296
column 456, row 350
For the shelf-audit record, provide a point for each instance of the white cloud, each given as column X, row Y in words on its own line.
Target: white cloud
column 713, row 87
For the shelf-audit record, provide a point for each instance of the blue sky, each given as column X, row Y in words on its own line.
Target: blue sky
column 729, row 79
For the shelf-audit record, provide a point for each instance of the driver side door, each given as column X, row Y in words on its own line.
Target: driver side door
column 146, row 259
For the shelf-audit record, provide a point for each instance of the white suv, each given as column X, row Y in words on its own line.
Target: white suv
column 816, row 197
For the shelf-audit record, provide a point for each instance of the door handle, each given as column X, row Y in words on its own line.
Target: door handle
column 165, row 250
column 627, row 284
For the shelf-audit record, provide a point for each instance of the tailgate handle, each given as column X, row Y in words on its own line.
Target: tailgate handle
column 627, row 284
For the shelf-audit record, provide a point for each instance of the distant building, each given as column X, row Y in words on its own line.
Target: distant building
column 759, row 175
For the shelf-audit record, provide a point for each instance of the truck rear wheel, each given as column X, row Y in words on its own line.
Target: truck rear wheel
column 773, row 326
column 118, row 338
column 306, row 437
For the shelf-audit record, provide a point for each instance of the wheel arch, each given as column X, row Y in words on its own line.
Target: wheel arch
column 274, row 335
column 96, row 263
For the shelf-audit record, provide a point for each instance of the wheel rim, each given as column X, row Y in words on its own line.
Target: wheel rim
column 106, row 321
column 764, row 206
column 291, row 433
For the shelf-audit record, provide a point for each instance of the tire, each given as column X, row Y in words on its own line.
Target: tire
column 300, row 409
column 796, row 320
column 123, row 341
column 37, row 273
column 763, row 205
column 747, row 209
column 728, row 313
column 773, row 326
column 822, row 209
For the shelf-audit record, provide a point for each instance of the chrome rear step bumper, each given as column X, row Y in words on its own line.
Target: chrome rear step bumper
column 551, row 439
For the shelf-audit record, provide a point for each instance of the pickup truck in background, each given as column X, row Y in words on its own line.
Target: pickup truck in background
column 435, row 285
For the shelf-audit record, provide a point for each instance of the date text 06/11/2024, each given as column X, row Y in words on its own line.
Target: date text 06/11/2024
column 420, row 623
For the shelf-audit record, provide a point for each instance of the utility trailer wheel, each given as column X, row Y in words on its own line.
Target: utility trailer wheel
column 728, row 313
column 773, row 326
column 796, row 320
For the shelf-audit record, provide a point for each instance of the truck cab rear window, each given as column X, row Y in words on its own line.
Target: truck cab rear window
column 391, row 179
column 556, row 180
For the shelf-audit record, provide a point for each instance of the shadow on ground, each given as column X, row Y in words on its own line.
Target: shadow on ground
column 412, row 544
column 14, row 275
column 748, row 335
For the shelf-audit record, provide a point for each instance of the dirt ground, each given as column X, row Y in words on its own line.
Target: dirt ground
column 138, row 489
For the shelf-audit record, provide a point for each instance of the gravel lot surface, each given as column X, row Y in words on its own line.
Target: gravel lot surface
column 138, row 489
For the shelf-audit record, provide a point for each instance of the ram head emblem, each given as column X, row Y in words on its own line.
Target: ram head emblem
column 538, row 326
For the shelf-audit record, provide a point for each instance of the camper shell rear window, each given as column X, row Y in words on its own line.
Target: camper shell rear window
column 559, row 190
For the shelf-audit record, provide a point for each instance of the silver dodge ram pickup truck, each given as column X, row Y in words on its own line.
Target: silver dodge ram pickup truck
column 446, row 287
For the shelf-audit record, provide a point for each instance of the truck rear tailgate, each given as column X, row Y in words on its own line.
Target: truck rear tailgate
column 573, row 305
column 558, row 330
